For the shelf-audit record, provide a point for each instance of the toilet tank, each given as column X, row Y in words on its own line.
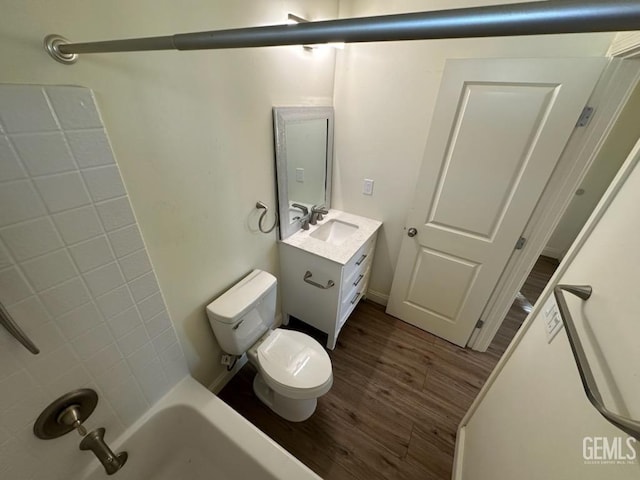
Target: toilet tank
column 242, row 314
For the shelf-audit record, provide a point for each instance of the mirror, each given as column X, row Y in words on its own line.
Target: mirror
column 304, row 157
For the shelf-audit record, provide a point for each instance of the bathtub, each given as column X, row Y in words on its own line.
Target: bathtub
column 192, row 434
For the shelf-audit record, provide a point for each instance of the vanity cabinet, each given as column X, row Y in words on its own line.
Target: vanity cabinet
column 323, row 291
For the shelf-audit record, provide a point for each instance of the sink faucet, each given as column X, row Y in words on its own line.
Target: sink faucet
column 94, row 441
column 305, row 215
column 317, row 213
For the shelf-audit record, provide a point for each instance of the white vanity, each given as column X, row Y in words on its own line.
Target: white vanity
column 324, row 271
column 325, row 268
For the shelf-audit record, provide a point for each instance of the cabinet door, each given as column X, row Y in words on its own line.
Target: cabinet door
column 302, row 299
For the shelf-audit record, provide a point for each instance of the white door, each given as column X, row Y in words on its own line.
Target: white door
column 498, row 129
column 532, row 419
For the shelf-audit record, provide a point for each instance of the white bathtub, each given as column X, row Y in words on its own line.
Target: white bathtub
column 192, row 434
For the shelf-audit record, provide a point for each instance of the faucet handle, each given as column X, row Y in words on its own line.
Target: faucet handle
column 321, row 209
column 318, row 212
column 65, row 414
column 305, row 210
column 72, row 417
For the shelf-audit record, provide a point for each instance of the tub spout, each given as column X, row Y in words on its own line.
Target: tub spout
column 94, row 441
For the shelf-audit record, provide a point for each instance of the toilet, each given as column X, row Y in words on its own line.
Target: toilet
column 293, row 369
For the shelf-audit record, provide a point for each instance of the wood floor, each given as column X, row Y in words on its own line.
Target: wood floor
column 398, row 396
column 529, row 294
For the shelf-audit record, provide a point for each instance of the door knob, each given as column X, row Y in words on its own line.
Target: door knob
column 412, row 232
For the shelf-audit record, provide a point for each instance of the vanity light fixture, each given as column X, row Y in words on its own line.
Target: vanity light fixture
column 295, row 20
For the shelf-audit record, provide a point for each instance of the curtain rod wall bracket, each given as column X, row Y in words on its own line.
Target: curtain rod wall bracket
column 51, row 45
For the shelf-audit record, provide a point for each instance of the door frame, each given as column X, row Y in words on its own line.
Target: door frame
column 616, row 84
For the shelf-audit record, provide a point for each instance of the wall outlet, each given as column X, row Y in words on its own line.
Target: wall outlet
column 367, row 187
column 300, row 175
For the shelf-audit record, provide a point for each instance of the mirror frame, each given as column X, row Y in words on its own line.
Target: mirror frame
column 281, row 115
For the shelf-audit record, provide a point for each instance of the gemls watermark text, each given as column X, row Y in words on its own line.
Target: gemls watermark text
column 608, row 450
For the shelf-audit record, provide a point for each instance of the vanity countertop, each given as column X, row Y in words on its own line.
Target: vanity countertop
column 341, row 254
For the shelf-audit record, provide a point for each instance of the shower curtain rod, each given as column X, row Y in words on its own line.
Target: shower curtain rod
column 531, row 18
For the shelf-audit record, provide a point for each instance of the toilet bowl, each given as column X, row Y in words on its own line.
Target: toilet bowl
column 293, row 368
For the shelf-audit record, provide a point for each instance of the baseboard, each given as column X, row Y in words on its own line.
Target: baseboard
column 226, row 375
column 377, row 297
column 458, row 454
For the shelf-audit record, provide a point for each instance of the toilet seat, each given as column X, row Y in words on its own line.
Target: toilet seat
column 294, row 364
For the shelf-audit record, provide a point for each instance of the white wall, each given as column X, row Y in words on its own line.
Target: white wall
column 191, row 131
column 613, row 153
column 75, row 275
column 384, row 98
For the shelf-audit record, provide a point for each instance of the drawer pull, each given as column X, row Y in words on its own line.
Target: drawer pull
column 307, row 277
column 355, row 298
column 359, row 262
column 360, row 277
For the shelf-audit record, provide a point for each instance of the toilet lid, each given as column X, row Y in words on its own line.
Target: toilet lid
column 294, row 359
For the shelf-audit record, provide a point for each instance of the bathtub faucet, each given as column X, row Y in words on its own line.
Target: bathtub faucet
column 94, row 441
column 66, row 414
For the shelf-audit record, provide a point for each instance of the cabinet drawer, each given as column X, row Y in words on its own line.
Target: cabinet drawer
column 352, row 296
column 360, row 259
column 356, row 278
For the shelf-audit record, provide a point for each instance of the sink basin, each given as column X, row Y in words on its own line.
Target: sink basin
column 334, row 232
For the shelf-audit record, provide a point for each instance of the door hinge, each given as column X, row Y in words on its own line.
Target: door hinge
column 585, row 117
column 480, row 324
column 520, row 243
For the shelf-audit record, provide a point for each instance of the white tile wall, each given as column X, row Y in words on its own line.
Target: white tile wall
column 43, row 153
column 10, row 168
column 31, row 238
column 63, row 191
column 19, row 202
column 92, row 254
column 75, row 274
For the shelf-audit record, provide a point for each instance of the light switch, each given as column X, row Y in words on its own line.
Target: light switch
column 300, row 175
column 367, row 187
column 552, row 320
